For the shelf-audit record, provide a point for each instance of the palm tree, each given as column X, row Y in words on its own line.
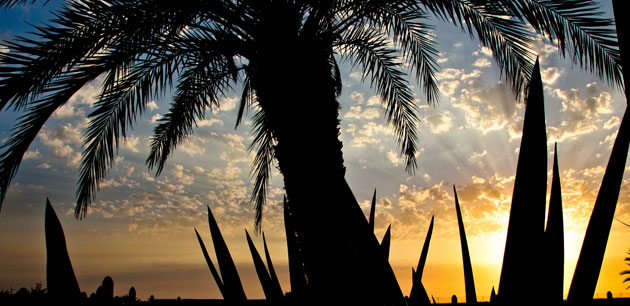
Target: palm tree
column 284, row 54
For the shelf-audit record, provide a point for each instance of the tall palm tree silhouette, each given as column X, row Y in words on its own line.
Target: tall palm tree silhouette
column 285, row 55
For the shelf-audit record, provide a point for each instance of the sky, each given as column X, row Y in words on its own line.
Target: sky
column 140, row 230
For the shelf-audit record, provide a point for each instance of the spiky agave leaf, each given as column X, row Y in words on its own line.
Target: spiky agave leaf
column 372, row 211
column 418, row 294
column 261, row 270
column 385, row 243
column 277, row 289
column 469, row 280
column 61, row 282
column 425, row 250
column 234, row 292
column 213, row 270
column 527, row 214
column 554, row 239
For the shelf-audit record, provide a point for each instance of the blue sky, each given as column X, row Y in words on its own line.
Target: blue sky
column 140, row 230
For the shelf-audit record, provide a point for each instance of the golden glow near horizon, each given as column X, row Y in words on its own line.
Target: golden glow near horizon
column 140, row 229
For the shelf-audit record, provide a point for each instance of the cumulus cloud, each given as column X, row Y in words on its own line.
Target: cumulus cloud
column 374, row 100
column 581, row 109
column 131, row 143
column 487, row 108
column 357, row 112
column 357, row 97
column 449, row 74
column 357, row 76
column 482, row 62
column 613, row 122
column 81, row 101
column 448, row 87
column 231, row 146
column 155, row 118
column 394, row 158
column 194, row 146
column 369, row 133
column 228, row 104
column 31, row 155
column 439, row 122
column 152, row 106
column 61, row 141
column 43, row 166
column 544, row 49
column 210, row 122
column 183, row 176
column 550, row 75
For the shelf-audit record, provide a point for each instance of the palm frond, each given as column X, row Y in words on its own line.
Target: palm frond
column 368, row 48
column 7, row 4
column 142, row 61
column 33, row 64
column 416, row 43
column 201, row 84
column 247, row 98
column 117, row 110
column 510, row 40
column 262, row 166
column 37, row 113
column 577, row 28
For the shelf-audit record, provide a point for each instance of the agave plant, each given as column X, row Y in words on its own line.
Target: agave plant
column 229, row 282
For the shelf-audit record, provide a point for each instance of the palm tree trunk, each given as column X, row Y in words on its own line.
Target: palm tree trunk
column 295, row 88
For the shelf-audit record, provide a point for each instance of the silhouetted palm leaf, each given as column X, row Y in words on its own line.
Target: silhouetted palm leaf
column 594, row 43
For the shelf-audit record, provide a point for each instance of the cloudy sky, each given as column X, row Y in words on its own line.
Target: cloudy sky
column 140, row 230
